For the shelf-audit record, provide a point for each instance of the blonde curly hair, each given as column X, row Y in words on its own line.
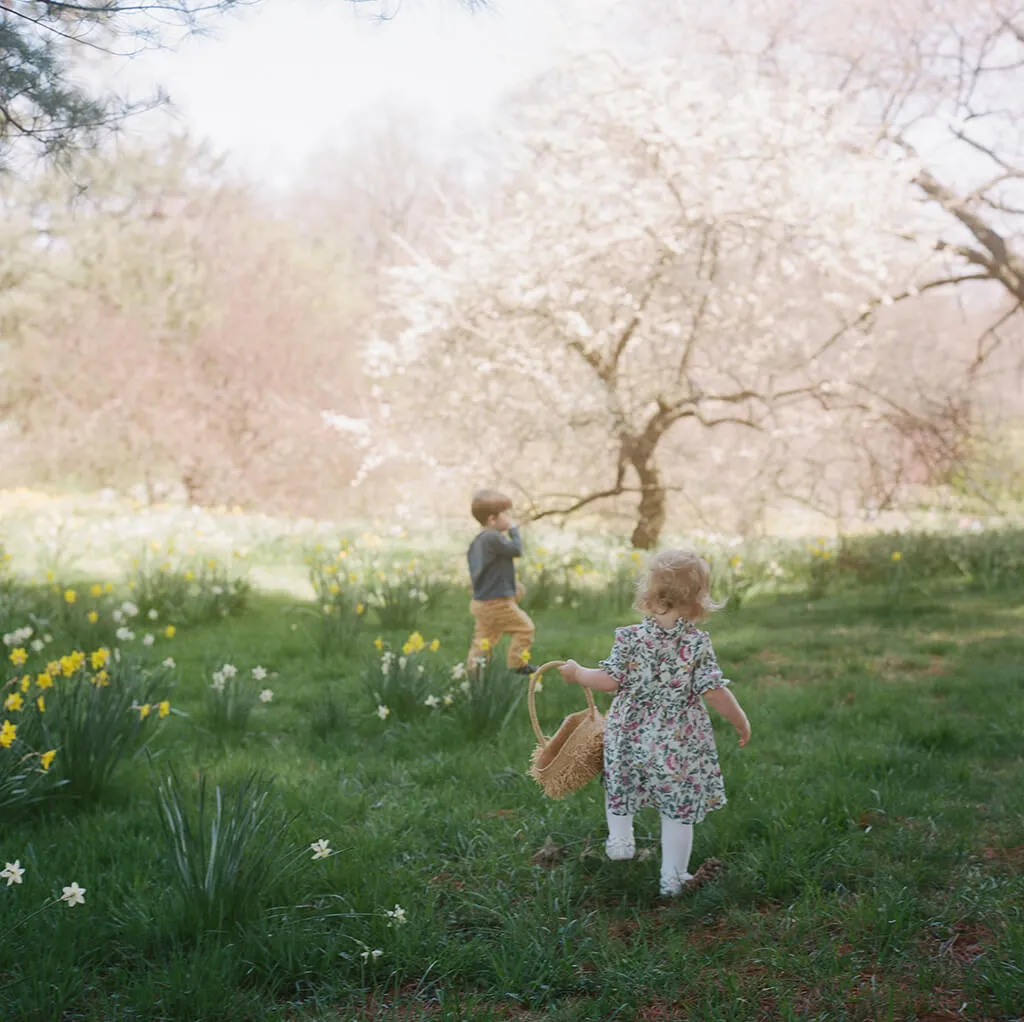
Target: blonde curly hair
column 676, row 580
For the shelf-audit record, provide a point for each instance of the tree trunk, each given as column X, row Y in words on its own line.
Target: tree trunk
column 650, row 516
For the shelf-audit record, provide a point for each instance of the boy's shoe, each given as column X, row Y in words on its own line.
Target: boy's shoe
column 525, row 669
column 618, row 850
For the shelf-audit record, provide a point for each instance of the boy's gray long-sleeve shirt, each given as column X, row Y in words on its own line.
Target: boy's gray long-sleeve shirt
column 492, row 564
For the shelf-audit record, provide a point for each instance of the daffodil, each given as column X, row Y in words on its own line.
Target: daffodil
column 435, row 645
column 259, row 673
column 321, row 849
column 485, row 645
column 92, row 617
column 46, row 759
column 413, row 644
column 170, row 631
column 897, row 556
column 95, row 590
column 101, row 680
column 360, row 609
column 266, row 695
column 99, row 658
column 12, row 872
column 371, row 956
column 378, row 643
column 396, row 916
column 143, row 710
column 26, row 683
column 70, row 596
column 41, row 704
column 8, row 733
column 382, row 711
column 14, row 702
column 18, row 656
column 164, row 708
column 432, row 701
column 73, row 895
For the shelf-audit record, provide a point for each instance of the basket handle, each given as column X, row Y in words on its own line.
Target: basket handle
column 534, row 678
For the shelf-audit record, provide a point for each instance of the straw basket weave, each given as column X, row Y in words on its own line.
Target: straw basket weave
column 574, row 755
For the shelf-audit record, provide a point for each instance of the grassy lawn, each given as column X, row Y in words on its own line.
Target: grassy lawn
column 874, row 841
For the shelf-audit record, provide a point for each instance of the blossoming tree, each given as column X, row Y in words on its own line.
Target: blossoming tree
column 669, row 248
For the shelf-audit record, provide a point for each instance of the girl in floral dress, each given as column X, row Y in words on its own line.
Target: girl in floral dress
column 659, row 748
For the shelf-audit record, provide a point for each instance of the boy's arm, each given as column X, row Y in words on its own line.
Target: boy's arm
column 502, row 547
column 724, row 702
column 588, row 677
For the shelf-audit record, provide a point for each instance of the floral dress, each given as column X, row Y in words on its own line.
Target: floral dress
column 659, row 749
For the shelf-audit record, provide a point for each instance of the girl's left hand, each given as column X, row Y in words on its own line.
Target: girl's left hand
column 568, row 671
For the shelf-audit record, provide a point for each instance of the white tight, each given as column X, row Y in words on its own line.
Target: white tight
column 676, row 844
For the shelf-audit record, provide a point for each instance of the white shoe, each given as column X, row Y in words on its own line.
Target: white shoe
column 617, row 849
column 674, row 886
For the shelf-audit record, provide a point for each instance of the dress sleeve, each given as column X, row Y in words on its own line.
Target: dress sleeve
column 621, row 661
column 707, row 675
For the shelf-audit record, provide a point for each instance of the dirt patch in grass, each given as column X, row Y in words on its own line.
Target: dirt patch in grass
column 1007, row 860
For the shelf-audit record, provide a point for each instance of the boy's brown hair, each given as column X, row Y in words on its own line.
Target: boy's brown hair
column 489, row 502
column 676, row 580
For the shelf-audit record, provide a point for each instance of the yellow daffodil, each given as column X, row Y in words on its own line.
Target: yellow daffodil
column 170, row 631
column 46, row 759
column 413, row 644
column 335, row 588
column 96, row 590
column 14, row 702
column 44, row 681
column 164, row 708
column 101, row 680
column 53, row 668
column 378, row 643
column 72, row 662
column 524, row 657
column 108, row 588
column 99, row 658
column 485, row 645
column 18, row 656
column 435, row 645
column 189, row 575
column 92, row 617
column 26, row 683
column 70, row 596
column 41, row 704
column 143, row 710
column 8, row 733
column 897, row 556
column 360, row 610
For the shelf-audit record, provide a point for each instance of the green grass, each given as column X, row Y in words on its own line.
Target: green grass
column 874, row 841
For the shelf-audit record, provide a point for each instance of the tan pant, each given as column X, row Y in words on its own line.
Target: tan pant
column 495, row 618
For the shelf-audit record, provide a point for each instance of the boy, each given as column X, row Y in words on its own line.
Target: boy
column 495, row 607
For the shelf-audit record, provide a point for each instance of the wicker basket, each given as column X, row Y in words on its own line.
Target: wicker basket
column 574, row 755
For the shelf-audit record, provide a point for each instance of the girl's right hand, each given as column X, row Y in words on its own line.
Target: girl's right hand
column 743, row 730
column 568, row 671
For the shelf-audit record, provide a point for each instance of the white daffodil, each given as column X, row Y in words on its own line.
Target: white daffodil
column 73, row 895
column 153, row 614
column 125, row 634
column 12, row 872
column 229, row 670
column 371, row 956
column 259, row 673
column 432, row 701
column 169, row 662
column 321, row 849
column 129, row 608
column 383, row 712
column 266, row 695
column 147, row 640
column 396, row 916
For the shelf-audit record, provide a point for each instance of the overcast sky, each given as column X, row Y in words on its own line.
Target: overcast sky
column 276, row 84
